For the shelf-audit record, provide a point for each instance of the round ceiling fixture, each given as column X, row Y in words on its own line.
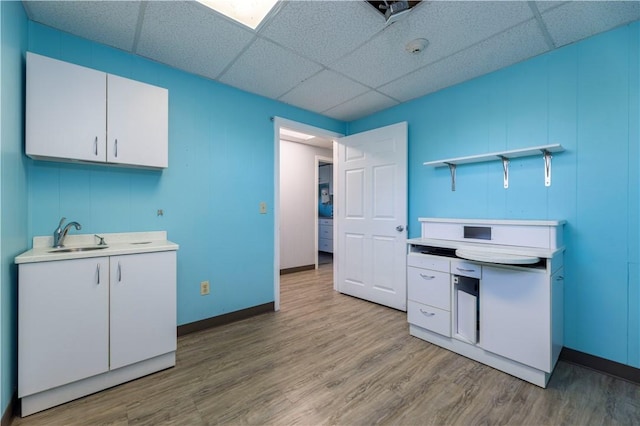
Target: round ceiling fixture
column 416, row 46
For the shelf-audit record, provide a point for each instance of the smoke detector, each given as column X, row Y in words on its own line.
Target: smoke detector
column 416, row 46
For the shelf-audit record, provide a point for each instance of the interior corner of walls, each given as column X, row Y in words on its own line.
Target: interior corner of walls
column 633, row 349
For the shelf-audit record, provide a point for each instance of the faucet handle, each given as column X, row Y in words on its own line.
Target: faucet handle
column 101, row 240
column 61, row 222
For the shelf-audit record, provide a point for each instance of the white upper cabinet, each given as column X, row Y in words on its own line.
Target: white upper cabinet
column 66, row 110
column 137, row 123
column 76, row 113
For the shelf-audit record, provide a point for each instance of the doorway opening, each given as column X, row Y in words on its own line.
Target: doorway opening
column 324, row 211
column 298, row 151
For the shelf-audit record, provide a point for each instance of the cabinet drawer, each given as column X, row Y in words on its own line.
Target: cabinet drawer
column 328, row 222
column 325, row 244
column 467, row 269
column 435, row 263
column 325, row 232
column 430, row 318
column 429, row 287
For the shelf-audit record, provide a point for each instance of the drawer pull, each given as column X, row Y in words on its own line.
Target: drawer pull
column 560, row 278
column 95, row 145
column 98, row 271
column 428, row 277
column 426, row 313
column 465, row 270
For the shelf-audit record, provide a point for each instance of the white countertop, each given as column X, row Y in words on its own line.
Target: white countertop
column 486, row 248
column 117, row 244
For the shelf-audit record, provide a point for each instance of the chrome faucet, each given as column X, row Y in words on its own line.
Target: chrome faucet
column 60, row 233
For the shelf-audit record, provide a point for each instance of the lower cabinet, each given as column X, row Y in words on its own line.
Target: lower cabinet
column 63, row 322
column 429, row 294
column 519, row 326
column 515, row 316
column 83, row 319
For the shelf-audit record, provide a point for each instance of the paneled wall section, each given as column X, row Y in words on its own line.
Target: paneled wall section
column 584, row 96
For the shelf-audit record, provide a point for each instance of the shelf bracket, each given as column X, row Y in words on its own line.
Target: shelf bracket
column 505, row 171
column 452, row 169
column 547, row 167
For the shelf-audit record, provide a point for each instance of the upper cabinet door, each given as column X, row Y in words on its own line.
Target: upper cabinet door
column 66, row 110
column 137, row 123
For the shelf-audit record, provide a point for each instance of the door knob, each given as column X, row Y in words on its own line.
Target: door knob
column 399, row 228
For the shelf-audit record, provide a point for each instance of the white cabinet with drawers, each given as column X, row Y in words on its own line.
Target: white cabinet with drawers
column 325, row 235
column 471, row 292
column 429, row 293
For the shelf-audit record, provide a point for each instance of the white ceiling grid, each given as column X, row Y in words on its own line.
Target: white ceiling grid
column 337, row 58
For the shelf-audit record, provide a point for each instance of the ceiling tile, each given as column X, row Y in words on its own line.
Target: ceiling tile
column 576, row 20
column 323, row 30
column 509, row 47
column 268, row 69
column 323, row 91
column 111, row 23
column 449, row 27
column 359, row 107
column 543, row 5
column 191, row 37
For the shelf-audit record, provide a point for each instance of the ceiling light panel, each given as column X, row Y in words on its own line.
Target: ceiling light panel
column 248, row 12
column 294, row 134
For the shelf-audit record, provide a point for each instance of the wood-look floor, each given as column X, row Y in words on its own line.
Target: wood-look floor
column 326, row 358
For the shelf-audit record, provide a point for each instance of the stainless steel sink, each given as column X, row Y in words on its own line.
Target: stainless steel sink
column 76, row 249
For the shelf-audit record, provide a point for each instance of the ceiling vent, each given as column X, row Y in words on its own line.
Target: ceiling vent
column 393, row 10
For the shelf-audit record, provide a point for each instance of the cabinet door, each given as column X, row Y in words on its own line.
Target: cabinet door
column 143, row 307
column 63, row 320
column 137, row 123
column 65, row 110
column 515, row 315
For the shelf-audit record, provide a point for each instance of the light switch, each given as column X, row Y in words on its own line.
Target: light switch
column 263, row 208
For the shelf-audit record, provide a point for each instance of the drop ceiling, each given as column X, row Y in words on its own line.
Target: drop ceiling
column 337, row 58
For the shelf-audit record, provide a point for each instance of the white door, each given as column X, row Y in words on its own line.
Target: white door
column 66, row 110
column 137, row 123
column 372, row 215
column 63, row 322
column 143, row 307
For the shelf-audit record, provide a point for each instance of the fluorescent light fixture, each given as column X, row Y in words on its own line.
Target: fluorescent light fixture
column 247, row 12
column 294, row 134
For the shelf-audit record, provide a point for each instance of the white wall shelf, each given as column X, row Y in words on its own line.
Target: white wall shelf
column 504, row 156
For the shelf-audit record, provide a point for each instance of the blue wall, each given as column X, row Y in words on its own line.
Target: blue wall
column 13, row 183
column 221, row 157
column 584, row 96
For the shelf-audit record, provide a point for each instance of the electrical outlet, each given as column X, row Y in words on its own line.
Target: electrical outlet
column 204, row 288
column 263, row 208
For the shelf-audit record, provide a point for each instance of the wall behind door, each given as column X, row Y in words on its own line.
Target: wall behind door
column 585, row 96
column 298, row 206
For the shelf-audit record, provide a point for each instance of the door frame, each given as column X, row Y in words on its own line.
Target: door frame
column 279, row 122
column 319, row 159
